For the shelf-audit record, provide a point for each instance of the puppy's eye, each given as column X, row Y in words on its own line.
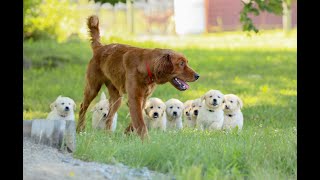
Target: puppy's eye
column 231, row 101
column 223, row 101
column 210, row 96
column 218, row 96
column 171, row 107
column 101, row 109
column 151, row 107
column 62, row 103
column 193, row 106
column 200, row 106
column 181, row 63
column 158, row 107
column 178, row 107
column 69, row 103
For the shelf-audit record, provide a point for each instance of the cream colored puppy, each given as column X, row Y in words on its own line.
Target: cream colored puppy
column 62, row 109
column 211, row 114
column 154, row 114
column 232, row 112
column 174, row 110
column 195, row 107
column 187, row 113
column 100, row 113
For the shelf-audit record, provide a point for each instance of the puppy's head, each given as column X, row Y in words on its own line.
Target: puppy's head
column 187, row 108
column 195, row 106
column 174, row 108
column 63, row 105
column 154, row 108
column 102, row 107
column 213, row 99
column 232, row 103
column 170, row 66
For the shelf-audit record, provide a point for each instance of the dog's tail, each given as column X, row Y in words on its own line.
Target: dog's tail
column 93, row 25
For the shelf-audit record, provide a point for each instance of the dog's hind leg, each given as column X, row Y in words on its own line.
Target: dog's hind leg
column 115, row 102
column 90, row 92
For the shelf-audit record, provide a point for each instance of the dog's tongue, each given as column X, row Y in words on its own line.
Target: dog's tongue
column 179, row 84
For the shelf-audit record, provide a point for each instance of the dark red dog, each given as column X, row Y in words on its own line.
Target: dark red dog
column 132, row 70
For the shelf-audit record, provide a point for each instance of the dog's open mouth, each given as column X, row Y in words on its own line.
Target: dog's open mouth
column 179, row 84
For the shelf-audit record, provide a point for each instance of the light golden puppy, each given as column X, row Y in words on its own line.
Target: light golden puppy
column 100, row 113
column 195, row 107
column 154, row 114
column 232, row 112
column 62, row 109
column 187, row 113
column 211, row 114
column 174, row 110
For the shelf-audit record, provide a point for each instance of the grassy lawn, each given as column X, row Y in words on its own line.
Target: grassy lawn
column 261, row 70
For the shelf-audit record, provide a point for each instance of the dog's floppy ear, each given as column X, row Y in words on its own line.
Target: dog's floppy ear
column 94, row 108
column 103, row 96
column 74, row 105
column 53, row 105
column 163, row 66
column 240, row 103
column 203, row 98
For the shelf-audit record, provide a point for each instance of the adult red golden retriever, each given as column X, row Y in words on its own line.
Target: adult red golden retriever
column 132, row 70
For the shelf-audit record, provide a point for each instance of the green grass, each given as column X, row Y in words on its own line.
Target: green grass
column 261, row 70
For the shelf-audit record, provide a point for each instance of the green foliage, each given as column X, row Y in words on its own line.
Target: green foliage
column 112, row 2
column 261, row 70
column 255, row 7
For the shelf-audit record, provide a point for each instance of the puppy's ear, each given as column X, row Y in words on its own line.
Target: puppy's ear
column 94, row 108
column 74, row 105
column 240, row 103
column 103, row 96
column 53, row 105
column 163, row 66
column 203, row 98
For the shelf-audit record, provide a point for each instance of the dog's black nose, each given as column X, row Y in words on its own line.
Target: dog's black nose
column 155, row 115
column 195, row 112
column 174, row 113
column 196, row 76
column 66, row 108
column 187, row 113
column 214, row 100
column 104, row 115
column 226, row 107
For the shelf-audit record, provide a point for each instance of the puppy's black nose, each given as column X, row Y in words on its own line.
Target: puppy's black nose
column 66, row 108
column 226, row 107
column 104, row 115
column 214, row 100
column 195, row 112
column 196, row 76
column 174, row 113
column 187, row 113
column 155, row 115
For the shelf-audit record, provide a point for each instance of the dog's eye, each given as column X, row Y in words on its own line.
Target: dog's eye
column 200, row 106
column 218, row 96
column 158, row 107
column 62, row 103
column 171, row 107
column 69, row 103
column 193, row 106
column 101, row 109
column 178, row 107
column 231, row 101
column 181, row 63
column 151, row 107
column 222, row 101
column 210, row 96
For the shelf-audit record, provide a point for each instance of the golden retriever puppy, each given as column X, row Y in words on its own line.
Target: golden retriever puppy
column 174, row 109
column 232, row 112
column 62, row 109
column 187, row 113
column 211, row 114
column 154, row 114
column 195, row 106
column 100, row 113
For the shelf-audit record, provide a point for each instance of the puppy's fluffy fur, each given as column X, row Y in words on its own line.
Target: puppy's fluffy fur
column 174, row 109
column 62, row 109
column 100, row 113
column 211, row 114
column 232, row 112
column 187, row 113
column 194, row 112
column 154, row 114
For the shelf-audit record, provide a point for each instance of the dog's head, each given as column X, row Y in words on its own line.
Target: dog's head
column 187, row 108
column 102, row 107
column 63, row 105
column 170, row 66
column 174, row 108
column 213, row 99
column 232, row 103
column 154, row 108
column 195, row 106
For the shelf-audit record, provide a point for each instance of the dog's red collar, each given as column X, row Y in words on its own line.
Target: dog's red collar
column 150, row 79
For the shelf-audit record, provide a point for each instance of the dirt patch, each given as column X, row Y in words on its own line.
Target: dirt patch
column 44, row 162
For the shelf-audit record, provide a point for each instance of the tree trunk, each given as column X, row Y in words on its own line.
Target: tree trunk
column 286, row 17
column 130, row 16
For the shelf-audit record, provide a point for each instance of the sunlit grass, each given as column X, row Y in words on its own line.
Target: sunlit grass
column 261, row 70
